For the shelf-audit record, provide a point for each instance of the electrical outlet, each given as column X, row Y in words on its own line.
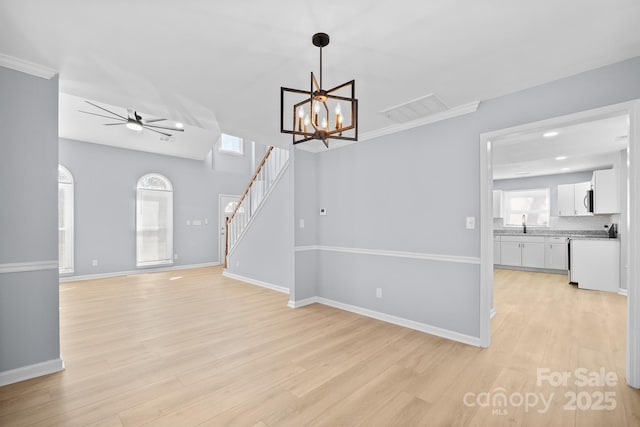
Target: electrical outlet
column 175, row 256
column 94, row 262
column 196, row 222
column 302, row 223
column 188, row 222
column 378, row 292
column 206, row 221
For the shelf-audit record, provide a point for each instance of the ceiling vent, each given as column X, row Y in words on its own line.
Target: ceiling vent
column 170, row 138
column 416, row 109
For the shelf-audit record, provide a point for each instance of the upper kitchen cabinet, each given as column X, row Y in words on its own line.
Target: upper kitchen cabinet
column 573, row 200
column 605, row 192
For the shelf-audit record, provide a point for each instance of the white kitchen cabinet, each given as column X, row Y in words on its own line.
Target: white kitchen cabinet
column 497, row 203
column 533, row 254
column 595, row 264
column 510, row 253
column 571, row 199
column 496, row 250
column 605, row 192
column 522, row 251
column 580, row 198
column 555, row 253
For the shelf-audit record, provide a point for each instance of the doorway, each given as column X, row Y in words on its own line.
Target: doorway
column 631, row 223
column 226, row 204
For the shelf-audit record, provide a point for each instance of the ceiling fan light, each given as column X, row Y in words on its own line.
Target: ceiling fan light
column 133, row 125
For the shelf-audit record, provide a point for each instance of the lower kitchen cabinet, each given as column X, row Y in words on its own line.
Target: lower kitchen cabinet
column 522, row 251
column 496, row 250
column 555, row 253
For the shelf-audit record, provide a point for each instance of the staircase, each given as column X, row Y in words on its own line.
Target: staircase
column 264, row 179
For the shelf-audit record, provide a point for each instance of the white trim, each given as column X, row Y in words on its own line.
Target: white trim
column 302, row 302
column 411, row 324
column 632, row 108
column 396, row 254
column 141, row 271
column 623, row 292
column 460, row 110
column 492, row 314
column 26, row 66
column 256, row 282
column 20, row 267
column 31, row 371
column 633, row 249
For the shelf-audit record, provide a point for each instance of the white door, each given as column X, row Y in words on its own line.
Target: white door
column 226, row 204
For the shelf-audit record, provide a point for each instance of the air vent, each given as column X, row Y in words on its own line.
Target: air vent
column 416, row 109
column 167, row 138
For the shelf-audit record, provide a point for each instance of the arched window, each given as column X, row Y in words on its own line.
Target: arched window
column 65, row 220
column 154, row 221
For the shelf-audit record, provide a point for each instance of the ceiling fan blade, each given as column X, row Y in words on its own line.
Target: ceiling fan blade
column 104, row 109
column 101, row 115
column 115, row 124
column 157, row 131
column 163, row 127
column 152, row 121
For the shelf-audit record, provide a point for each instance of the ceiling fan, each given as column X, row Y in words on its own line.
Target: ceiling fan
column 134, row 121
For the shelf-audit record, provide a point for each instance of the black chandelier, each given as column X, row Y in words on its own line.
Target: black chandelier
column 309, row 113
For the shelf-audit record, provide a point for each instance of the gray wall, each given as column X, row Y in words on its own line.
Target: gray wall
column 307, row 210
column 265, row 252
column 105, row 198
column 411, row 191
column 29, row 325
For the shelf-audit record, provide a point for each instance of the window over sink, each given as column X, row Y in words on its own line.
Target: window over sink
column 532, row 205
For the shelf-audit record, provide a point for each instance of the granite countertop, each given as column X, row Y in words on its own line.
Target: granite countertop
column 545, row 232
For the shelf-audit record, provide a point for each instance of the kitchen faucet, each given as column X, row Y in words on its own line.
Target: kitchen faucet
column 524, row 224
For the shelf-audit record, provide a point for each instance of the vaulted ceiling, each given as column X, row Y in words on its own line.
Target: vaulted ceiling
column 219, row 65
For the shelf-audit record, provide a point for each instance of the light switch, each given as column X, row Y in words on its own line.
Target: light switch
column 471, row 222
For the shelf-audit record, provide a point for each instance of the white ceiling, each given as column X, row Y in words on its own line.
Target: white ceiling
column 578, row 147
column 219, row 65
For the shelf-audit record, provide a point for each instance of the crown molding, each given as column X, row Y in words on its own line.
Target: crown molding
column 460, row 110
column 26, row 66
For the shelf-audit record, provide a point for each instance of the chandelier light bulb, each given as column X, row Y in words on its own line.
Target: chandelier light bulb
column 300, row 118
column 325, row 125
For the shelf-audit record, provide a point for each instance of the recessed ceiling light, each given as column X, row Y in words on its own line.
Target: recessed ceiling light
column 565, row 169
column 550, row 134
column 179, row 125
column 522, row 173
column 561, row 157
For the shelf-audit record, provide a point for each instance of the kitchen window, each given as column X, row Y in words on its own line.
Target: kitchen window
column 532, row 204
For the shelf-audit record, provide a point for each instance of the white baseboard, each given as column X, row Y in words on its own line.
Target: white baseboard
column 492, row 313
column 64, row 279
column 256, row 282
column 624, row 292
column 411, row 324
column 31, row 371
column 302, row 302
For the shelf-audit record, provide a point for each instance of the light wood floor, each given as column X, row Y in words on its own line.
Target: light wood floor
column 193, row 348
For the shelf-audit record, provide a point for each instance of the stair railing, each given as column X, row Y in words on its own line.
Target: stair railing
column 263, row 179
